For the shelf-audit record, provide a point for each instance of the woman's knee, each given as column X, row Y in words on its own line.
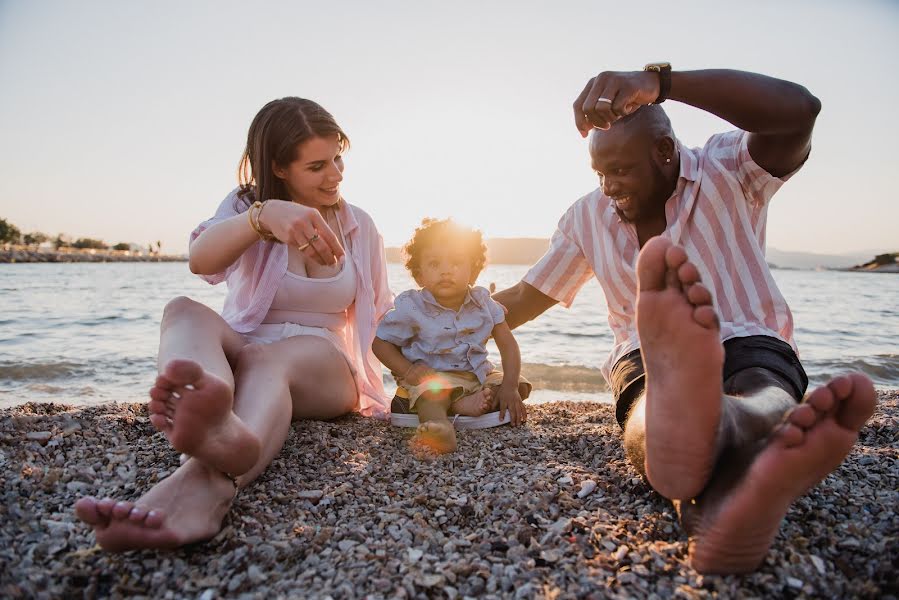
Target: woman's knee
column 182, row 307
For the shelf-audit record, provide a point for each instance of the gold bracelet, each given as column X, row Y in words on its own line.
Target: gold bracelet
column 254, row 222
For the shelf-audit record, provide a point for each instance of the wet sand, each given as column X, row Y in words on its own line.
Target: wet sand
column 552, row 510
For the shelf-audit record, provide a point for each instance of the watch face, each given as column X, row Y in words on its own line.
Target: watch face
column 657, row 66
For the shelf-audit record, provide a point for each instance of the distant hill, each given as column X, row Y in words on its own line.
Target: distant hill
column 809, row 260
column 882, row 263
column 526, row 251
column 500, row 251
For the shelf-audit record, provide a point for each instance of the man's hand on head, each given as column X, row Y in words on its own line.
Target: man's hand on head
column 612, row 95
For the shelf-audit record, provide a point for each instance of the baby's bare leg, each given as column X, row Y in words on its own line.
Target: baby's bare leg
column 436, row 433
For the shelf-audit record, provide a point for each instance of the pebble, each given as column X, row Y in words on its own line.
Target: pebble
column 587, row 487
column 819, row 564
column 42, row 437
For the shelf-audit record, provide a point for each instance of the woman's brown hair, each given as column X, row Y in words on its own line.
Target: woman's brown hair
column 274, row 137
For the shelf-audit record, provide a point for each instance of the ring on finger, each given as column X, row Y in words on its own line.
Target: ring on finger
column 304, row 246
column 598, row 100
column 314, row 238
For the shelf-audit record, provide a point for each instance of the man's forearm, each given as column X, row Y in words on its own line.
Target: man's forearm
column 522, row 303
column 752, row 102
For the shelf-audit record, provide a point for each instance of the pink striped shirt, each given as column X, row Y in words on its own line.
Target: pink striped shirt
column 717, row 213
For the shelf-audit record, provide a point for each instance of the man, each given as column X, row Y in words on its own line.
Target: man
column 704, row 370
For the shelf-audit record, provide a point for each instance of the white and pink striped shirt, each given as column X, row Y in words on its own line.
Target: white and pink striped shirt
column 717, row 213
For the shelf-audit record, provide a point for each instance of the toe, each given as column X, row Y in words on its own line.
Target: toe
column 86, row 510
column 853, row 411
column 183, row 372
column 154, row 519
column 822, row 399
column 105, row 507
column 675, row 257
column 790, row 435
column 706, row 316
column 157, row 407
column 121, row 510
column 651, row 266
column 840, row 386
column 160, row 395
column 699, row 295
column 803, row 416
column 688, row 274
column 161, row 422
column 137, row 514
column 163, row 383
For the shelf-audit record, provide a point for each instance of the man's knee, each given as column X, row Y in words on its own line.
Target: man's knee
column 755, row 379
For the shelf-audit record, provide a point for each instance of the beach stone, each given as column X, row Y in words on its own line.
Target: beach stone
column 41, row 437
column 587, row 487
column 819, row 564
column 429, row 581
column 255, row 574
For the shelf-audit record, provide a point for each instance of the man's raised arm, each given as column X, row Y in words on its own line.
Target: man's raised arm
column 779, row 115
column 523, row 302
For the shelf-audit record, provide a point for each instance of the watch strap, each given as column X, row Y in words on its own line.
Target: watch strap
column 664, row 72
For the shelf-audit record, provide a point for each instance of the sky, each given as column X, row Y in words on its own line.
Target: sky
column 125, row 121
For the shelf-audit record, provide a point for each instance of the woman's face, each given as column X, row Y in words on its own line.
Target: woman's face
column 313, row 179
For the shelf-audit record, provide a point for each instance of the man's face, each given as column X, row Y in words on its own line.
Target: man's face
column 627, row 173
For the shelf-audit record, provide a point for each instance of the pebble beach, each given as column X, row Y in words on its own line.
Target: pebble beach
column 550, row 510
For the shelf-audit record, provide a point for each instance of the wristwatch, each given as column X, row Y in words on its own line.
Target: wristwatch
column 664, row 71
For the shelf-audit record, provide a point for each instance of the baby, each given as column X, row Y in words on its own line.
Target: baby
column 434, row 339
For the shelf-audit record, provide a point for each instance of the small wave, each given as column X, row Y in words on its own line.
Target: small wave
column 883, row 369
column 567, row 378
column 42, row 371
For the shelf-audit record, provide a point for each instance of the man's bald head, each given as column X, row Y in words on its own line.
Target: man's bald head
column 648, row 124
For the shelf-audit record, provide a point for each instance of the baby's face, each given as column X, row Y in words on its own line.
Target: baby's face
column 444, row 271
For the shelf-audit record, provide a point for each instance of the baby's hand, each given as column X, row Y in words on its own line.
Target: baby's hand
column 418, row 373
column 510, row 399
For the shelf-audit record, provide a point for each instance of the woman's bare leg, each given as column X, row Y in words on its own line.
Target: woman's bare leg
column 301, row 377
column 192, row 400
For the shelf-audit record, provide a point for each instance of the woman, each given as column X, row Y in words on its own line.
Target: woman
column 307, row 285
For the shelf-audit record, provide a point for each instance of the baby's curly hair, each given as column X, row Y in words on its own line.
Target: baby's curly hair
column 435, row 231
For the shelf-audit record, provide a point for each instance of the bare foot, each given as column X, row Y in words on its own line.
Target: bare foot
column 193, row 409
column 734, row 522
column 474, row 405
column 682, row 352
column 435, row 436
column 188, row 506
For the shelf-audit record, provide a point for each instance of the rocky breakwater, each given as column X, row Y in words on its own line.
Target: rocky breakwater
column 68, row 255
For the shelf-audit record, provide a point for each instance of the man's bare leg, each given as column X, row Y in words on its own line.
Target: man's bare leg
column 733, row 522
column 758, row 475
column 683, row 357
column 297, row 378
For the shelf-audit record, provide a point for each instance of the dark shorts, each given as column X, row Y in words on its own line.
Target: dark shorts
column 628, row 376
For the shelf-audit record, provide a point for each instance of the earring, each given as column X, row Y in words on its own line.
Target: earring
column 667, row 160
